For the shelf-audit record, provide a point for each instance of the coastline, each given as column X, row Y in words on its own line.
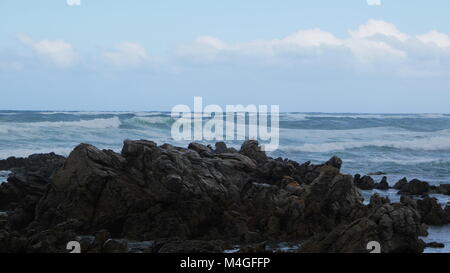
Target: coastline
column 257, row 199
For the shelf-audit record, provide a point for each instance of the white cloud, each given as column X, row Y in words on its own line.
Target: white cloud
column 127, row 54
column 58, row 51
column 73, row 2
column 374, row 2
column 377, row 27
column 437, row 38
column 361, row 44
column 374, row 46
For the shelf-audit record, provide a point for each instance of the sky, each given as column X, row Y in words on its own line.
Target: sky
column 366, row 56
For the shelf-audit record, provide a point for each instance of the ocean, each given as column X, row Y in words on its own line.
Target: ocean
column 399, row 145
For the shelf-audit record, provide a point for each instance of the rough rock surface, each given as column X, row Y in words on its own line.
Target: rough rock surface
column 189, row 200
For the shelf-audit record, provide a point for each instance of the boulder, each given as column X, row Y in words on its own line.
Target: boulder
column 364, row 183
column 432, row 213
column 383, row 185
column 402, row 182
column 415, row 187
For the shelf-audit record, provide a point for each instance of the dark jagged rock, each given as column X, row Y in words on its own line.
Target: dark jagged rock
column 252, row 150
column 335, row 162
column 415, row 187
column 189, row 200
column 377, row 173
column 394, row 226
column 27, row 183
column 383, row 185
column 444, row 189
column 432, row 213
column 364, row 183
column 402, row 182
column 435, row 245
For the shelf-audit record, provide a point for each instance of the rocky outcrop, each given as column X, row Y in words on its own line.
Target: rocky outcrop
column 432, row 212
column 364, row 183
column 395, row 226
column 26, row 185
column 185, row 199
column 414, row 187
column 383, row 185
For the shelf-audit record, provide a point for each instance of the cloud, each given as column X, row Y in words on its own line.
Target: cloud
column 312, row 41
column 127, row 54
column 59, row 52
column 73, row 2
column 374, row 2
column 437, row 38
column 377, row 46
column 377, row 27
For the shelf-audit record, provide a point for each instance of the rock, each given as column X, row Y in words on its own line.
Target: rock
column 221, row 147
column 202, row 150
column 415, row 187
column 115, row 246
column 377, row 173
column 335, row 162
column 383, row 185
column 432, row 213
column 402, row 182
column 435, row 245
column 201, row 200
column 395, row 226
column 377, row 201
column 251, row 149
column 29, row 178
column 444, row 189
column 364, row 183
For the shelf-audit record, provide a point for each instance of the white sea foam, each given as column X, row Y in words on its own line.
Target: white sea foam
column 3, row 176
column 11, row 128
column 99, row 123
column 305, row 116
column 428, row 144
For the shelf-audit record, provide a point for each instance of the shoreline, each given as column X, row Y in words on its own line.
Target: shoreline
column 194, row 176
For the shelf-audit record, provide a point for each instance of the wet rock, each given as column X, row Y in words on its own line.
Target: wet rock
column 402, row 182
column 432, row 213
column 395, row 226
column 415, row 187
column 444, row 189
column 198, row 198
column 435, row 245
column 29, row 178
column 383, row 185
column 115, row 246
column 335, row 162
column 251, row 149
column 377, row 173
column 364, row 183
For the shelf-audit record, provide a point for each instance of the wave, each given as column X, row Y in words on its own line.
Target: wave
column 148, row 121
column 98, row 123
column 8, row 129
column 306, row 116
column 428, row 144
column 25, row 152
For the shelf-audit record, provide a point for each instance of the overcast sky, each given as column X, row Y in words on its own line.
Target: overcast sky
column 384, row 56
